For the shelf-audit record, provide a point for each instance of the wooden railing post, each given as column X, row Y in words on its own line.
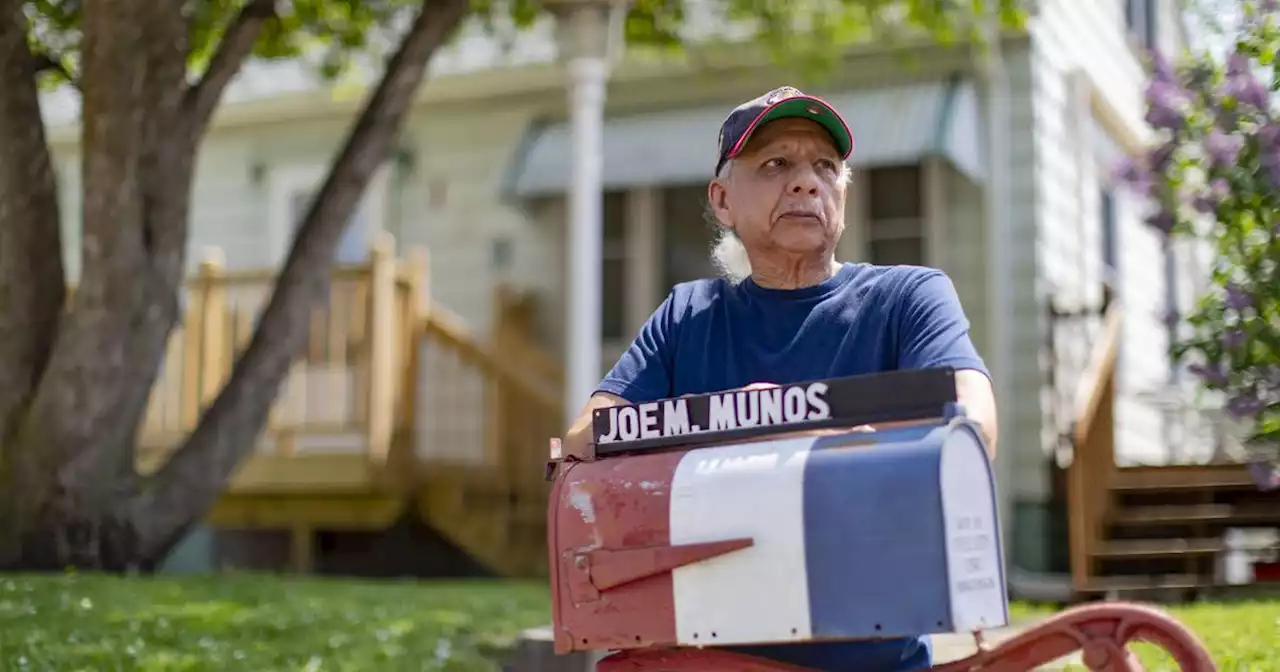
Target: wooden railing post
column 206, row 307
column 1093, row 457
column 495, row 415
column 382, row 347
column 215, row 353
column 418, row 281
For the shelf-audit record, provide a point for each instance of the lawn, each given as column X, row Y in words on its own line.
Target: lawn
column 264, row 623
column 1240, row 635
column 254, row 623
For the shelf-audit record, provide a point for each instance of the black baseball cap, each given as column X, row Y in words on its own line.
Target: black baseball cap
column 781, row 103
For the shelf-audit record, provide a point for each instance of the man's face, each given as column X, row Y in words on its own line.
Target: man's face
column 785, row 193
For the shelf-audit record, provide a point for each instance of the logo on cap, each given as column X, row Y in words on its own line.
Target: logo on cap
column 782, row 94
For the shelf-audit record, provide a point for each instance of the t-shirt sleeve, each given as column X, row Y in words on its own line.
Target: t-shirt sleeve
column 933, row 330
column 643, row 373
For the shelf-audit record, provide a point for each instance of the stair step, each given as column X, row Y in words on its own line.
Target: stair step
column 1185, row 478
column 1196, row 513
column 1158, row 548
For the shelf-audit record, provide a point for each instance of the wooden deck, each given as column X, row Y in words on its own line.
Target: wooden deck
column 394, row 409
column 1150, row 528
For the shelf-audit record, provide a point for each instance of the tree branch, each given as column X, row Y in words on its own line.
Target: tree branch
column 193, row 479
column 32, row 284
column 236, row 46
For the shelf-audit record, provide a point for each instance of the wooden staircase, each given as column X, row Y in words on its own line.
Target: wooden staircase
column 492, row 503
column 1151, row 528
column 395, row 410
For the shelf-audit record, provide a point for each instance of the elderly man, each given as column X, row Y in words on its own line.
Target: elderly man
column 787, row 311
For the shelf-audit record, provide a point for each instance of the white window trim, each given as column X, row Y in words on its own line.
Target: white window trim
column 287, row 179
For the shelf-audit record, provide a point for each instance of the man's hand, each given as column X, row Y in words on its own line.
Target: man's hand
column 577, row 441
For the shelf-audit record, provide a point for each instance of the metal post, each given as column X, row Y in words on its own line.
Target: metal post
column 587, row 76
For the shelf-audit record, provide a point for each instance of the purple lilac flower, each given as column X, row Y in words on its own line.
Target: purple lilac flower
column 1213, row 375
column 1161, row 220
column 1237, row 298
column 1271, row 376
column 1242, row 85
column 1269, row 136
column 1162, row 156
column 1245, row 404
column 1220, row 188
column 1223, row 149
column 1271, row 164
column 1208, row 200
column 1166, row 105
column 1233, row 339
column 1265, row 474
column 1161, row 70
column 1133, row 175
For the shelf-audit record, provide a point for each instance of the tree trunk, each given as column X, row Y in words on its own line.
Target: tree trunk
column 192, row 480
column 32, row 286
column 75, row 441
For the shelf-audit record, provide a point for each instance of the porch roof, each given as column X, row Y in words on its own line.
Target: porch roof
column 891, row 125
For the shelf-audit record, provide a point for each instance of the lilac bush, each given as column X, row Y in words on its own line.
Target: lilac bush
column 1213, row 175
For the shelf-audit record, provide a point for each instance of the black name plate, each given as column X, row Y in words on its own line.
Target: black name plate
column 894, row 396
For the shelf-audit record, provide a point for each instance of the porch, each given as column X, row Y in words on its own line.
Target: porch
column 395, row 410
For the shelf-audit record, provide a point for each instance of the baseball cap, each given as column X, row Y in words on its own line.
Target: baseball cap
column 781, row 103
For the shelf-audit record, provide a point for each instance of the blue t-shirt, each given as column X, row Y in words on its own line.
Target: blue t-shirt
column 709, row 336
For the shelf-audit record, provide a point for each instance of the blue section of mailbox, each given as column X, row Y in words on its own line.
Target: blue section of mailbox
column 877, row 521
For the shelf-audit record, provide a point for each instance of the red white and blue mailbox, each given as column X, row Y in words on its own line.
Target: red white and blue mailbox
column 769, row 516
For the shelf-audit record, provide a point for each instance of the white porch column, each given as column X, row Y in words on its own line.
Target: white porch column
column 583, row 34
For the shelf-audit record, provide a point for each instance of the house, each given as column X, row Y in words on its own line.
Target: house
column 482, row 167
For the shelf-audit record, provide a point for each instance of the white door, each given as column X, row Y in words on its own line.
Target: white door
column 291, row 190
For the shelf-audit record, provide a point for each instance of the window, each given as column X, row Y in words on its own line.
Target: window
column 895, row 229
column 1110, row 249
column 291, row 189
column 1151, row 32
column 687, row 237
column 1141, row 19
column 614, row 260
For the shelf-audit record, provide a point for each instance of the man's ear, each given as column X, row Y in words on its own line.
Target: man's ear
column 717, row 198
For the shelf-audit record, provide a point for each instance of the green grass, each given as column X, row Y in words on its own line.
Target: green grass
column 1240, row 635
column 255, row 623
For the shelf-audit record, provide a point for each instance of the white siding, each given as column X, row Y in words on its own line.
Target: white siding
column 1090, row 36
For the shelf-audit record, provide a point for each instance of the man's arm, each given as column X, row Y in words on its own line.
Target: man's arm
column 643, row 373
column 975, row 392
column 934, row 332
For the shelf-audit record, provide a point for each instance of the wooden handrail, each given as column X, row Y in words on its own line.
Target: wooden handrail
column 1093, row 455
column 1102, row 364
column 450, row 329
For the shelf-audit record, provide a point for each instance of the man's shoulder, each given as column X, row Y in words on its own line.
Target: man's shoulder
column 698, row 294
column 889, row 282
